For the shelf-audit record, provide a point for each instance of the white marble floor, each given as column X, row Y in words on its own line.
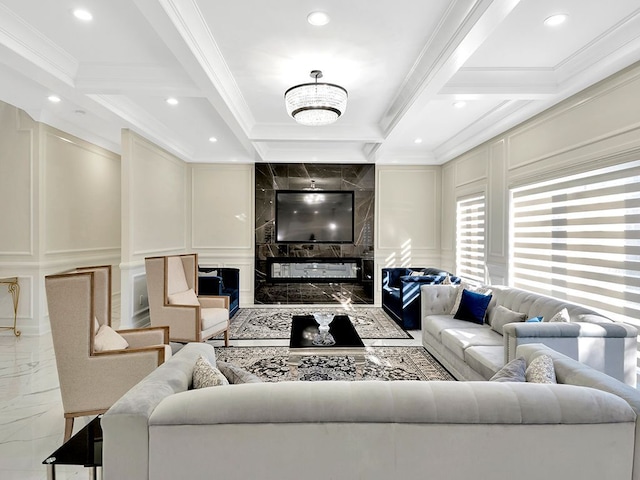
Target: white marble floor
column 31, row 412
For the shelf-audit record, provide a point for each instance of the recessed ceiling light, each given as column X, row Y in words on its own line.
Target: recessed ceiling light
column 459, row 104
column 172, row 101
column 318, row 18
column 53, row 98
column 417, row 141
column 213, row 139
column 555, row 20
column 82, row 14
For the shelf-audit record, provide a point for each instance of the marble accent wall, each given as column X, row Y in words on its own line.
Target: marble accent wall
column 299, row 176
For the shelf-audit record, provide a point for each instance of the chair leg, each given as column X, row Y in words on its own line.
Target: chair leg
column 68, row 428
column 226, row 338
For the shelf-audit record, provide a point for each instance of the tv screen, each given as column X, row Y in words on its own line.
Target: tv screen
column 314, row 216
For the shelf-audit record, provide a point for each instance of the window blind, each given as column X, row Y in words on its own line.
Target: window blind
column 578, row 238
column 470, row 227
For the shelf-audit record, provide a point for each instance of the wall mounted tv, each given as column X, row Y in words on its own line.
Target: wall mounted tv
column 314, row 216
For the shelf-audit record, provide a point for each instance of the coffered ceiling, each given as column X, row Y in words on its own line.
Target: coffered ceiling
column 405, row 63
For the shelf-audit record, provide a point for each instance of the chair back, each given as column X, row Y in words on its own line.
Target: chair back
column 74, row 299
column 180, row 273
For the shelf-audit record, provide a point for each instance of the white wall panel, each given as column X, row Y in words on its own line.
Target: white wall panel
column 16, row 181
column 82, row 195
column 408, row 214
column 222, row 207
column 157, row 199
column 605, row 110
column 497, row 202
column 472, row 167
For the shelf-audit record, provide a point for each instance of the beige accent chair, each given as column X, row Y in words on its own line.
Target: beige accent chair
column 91, row 381
column 172, row 284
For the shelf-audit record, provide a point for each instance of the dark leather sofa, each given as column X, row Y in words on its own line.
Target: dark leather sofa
column 226, row 281
column 401, row 292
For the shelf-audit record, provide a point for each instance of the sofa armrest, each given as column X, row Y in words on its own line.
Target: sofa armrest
column 569, row 329
column 607, row 347
column 125, row 426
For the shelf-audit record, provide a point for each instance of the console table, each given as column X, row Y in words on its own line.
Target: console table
column 14, row 290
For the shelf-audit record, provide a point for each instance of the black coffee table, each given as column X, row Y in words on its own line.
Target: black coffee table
column 84, row 448
column 304, row 328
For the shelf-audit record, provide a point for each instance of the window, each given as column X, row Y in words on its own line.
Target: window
column 578, row 238
column 470, row 258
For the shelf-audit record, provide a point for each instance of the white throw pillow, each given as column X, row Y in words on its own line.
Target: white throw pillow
column 561, row 316
column 108, row 339
column 188, row 297
column 500, row 316
column 541, row 370
column 206, row 375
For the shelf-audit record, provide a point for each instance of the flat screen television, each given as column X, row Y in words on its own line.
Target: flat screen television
column 314, row 216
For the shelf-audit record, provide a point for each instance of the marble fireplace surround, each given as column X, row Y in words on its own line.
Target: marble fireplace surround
column 299, row 176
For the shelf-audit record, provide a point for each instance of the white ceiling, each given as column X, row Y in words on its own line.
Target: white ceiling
column 404, row 63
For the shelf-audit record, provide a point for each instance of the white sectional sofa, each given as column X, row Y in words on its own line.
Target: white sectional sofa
column 374, row 430
column 472, row 351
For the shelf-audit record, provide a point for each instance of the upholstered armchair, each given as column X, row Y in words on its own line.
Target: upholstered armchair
column 172, row 284
column 401, row 292
column 96, row 364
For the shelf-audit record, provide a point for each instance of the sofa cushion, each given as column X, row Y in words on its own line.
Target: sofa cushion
column 206, row 375
column 541, row 370
column 214, row 317
column 237, row 375
column 473, row 306
column 485, row 360
column 459, row 339
column 514, row 371
column 188, row 297
column 108, row 339
column 500, row 316
column 436, row 324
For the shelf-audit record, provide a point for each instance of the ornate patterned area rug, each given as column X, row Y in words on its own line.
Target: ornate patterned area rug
column 381, row 363
column 275, row 323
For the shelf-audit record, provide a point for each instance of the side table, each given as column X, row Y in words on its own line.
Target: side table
column 84, row 448
column 14, row 290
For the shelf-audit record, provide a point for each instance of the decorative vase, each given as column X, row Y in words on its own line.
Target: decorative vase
column 323, row 338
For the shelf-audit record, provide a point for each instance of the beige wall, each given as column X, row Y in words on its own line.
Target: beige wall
column 599, row 126
column 61, row 209
column 170, row 206
column 408, row 218
column 222, row 219
column 155, row 219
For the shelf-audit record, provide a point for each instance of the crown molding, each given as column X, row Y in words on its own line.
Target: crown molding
column 464, row 28
column 27, row 42
column 192, row 27
column 147, row 125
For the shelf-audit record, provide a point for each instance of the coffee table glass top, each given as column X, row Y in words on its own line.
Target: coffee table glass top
column 304, row 328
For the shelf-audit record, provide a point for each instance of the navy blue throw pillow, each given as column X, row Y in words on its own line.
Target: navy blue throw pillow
column 473, row 306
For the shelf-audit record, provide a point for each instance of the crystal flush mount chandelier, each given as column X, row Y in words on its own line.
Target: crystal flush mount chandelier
column 316, row 103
